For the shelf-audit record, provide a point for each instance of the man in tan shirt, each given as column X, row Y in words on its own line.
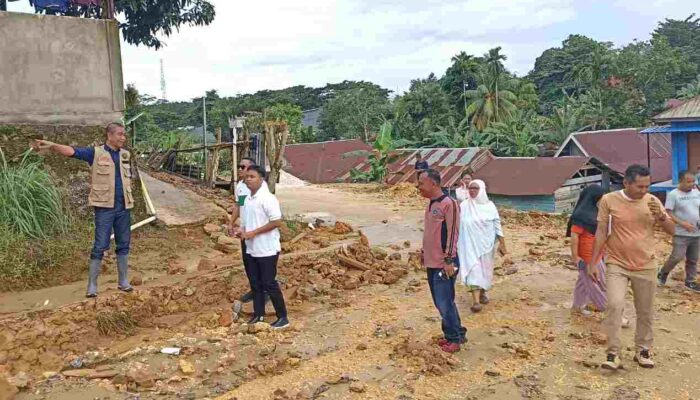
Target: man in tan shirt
column 626, row 221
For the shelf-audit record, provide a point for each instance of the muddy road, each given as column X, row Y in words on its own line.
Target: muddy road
column 354, row 335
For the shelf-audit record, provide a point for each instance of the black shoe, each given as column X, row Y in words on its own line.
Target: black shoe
column 246, row 298
column 91, row 295
column 661, row 278
column 127, row 290
column 255, row 320
column 693, row 286
column 281, row 323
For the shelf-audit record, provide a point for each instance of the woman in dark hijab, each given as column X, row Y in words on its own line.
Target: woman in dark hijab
column 581, row 228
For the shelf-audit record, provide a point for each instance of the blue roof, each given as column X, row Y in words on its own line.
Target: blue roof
column 672, row 129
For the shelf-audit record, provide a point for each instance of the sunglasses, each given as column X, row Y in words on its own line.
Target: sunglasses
column 242, row 167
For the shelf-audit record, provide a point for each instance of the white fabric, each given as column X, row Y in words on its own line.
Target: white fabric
column 479, row 227
column 242, row 190
column 461, row 194
column 260, row 209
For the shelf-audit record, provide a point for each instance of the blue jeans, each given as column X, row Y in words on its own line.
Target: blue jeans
column 443, row 291
column 106, row 219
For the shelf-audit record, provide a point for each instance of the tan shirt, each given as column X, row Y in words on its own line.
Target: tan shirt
column 630, row 242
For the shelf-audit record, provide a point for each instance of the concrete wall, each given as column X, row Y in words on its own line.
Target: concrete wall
column 59, row 70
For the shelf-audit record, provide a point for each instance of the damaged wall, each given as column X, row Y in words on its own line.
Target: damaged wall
column 59, row 70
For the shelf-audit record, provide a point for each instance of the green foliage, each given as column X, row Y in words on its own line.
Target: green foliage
column 422, row 109
column 516, row 136
column 142, row 22
column 289, row 113
column 355, row 113
column 383, row 154
column 690, row 90
column 30, row 204
column 683, row 35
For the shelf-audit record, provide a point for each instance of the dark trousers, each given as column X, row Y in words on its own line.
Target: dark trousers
column 684, row 247
column 443, row 291
column 106, row 220
column 262, row 275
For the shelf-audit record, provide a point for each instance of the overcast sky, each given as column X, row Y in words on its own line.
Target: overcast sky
column 273, row 44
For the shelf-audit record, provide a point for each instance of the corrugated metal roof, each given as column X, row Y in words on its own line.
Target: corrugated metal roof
column 621, row 148
column 529, row 176
column 323, row 162
column 689, row 110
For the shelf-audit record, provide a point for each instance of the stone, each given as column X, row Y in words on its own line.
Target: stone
column 107, row 374
column 258, row 328
column 7, row 390
column 186, row 367
column 189, row 291
column 225, row 318
column 79, row 373
column 362, row 346
column 395, row 256
column 21, row 380
column 141, row 375
column 293, row 361
column 226, row 248
column 47, row 375
column 227, row 240
column 205, row 265
column 136, row 279
column 357, row 387
column 534, row 251
column 211, row 228
column 379, row 253
column 407, row 244
column 491, row 372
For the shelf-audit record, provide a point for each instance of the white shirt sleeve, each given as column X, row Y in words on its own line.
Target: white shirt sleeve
column 272, row 209
column 671, row 200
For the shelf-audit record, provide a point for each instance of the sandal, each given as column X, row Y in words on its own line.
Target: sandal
column 476, row 308
column 483, row 298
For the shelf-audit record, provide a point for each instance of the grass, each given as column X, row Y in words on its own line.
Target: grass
column 30, row 203
column 39, row 240
column 115, row 323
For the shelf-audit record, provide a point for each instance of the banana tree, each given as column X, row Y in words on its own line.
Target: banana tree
column 383, row 153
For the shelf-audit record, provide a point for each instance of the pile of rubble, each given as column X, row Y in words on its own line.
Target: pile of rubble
column 423, row 358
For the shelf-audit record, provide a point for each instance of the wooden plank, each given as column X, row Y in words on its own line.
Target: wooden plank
column 352, row 263
column 585, row 179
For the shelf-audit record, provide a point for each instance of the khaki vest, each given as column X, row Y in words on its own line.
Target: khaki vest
column 102, row 184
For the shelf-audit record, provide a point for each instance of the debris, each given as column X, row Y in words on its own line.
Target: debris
column 358, row 387
column 173, row 351
column 205, row 265
column 185, row 367
column 491, row 372
column 341, row 228
column 225, row 318
column 362, row 346
column 136, row 279
column 78, row 373
column 352, row 263
column 534, row 251
column 212, row 228
column 227, row 240
column 141, row 375
column 7, row 390
column 395, row 257
column 259, row 327
column 407, row 244
column 21, row 380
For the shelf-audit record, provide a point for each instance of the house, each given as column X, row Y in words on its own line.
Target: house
column 549, row 184
column 682, row 123
column 620, row 148
column 311, row 117
column 324, row 162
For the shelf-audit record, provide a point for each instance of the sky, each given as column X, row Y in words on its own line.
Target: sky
column 274, row 44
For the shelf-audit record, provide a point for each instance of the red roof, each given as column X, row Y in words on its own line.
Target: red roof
column 322, row 162
column 449, row 162
column 620, row 148
column 529, row 176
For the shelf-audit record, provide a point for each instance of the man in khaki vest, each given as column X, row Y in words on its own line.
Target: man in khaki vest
column 111, row 197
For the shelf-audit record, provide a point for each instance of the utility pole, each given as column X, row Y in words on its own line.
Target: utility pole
column 464, row 94
column 204, row 132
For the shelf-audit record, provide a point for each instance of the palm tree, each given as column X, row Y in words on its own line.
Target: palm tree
column 594, row 72
column 488, row 104
column 494, row 64
column 562, row 123
column 516, row 137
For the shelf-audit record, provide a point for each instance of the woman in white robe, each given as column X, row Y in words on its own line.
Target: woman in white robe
column 479, row 232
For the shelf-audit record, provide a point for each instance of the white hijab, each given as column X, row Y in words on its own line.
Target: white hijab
column 477, row 228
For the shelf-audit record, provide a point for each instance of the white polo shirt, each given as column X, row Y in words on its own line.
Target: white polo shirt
column 260, row 209
column 242, row 192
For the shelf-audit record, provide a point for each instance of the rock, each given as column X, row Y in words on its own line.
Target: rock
column 7, row 390
column 344, row 378
column 395, row 257
column 666, row 330
column 293, row 361
column 136, row 279
column 395, row 247
column 211, row 228
column 225, row 318
column 120, row 379
column 259, row 327
column 491, row 372
column 385, row 221
column 227, row 240
column 576, row 335
column 361, row 346
column 590, row 364
column 205, row 265
column 46, row 375
column 141, row 375
column 358, row 387
column 379, row 253
column 21, row 380
column 79, row 373
column 534, row 251
column 107, row 374
column 189, row 291
column 407, row 244
column 185, row 367
column 510, row 271
column 215, row 235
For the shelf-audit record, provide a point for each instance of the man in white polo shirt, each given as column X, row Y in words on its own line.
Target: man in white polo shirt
column 260, row 222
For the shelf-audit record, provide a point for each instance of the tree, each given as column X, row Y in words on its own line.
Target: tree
column 356, row 112
column 459, row 77
column 383, row 154
column 683, row 35
column 517, row 136
column 422, row 109
column 132, row 100
column 563, row 121
column 690, row 90
column 142, row 21
column 291, row 115
column 488, row 104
